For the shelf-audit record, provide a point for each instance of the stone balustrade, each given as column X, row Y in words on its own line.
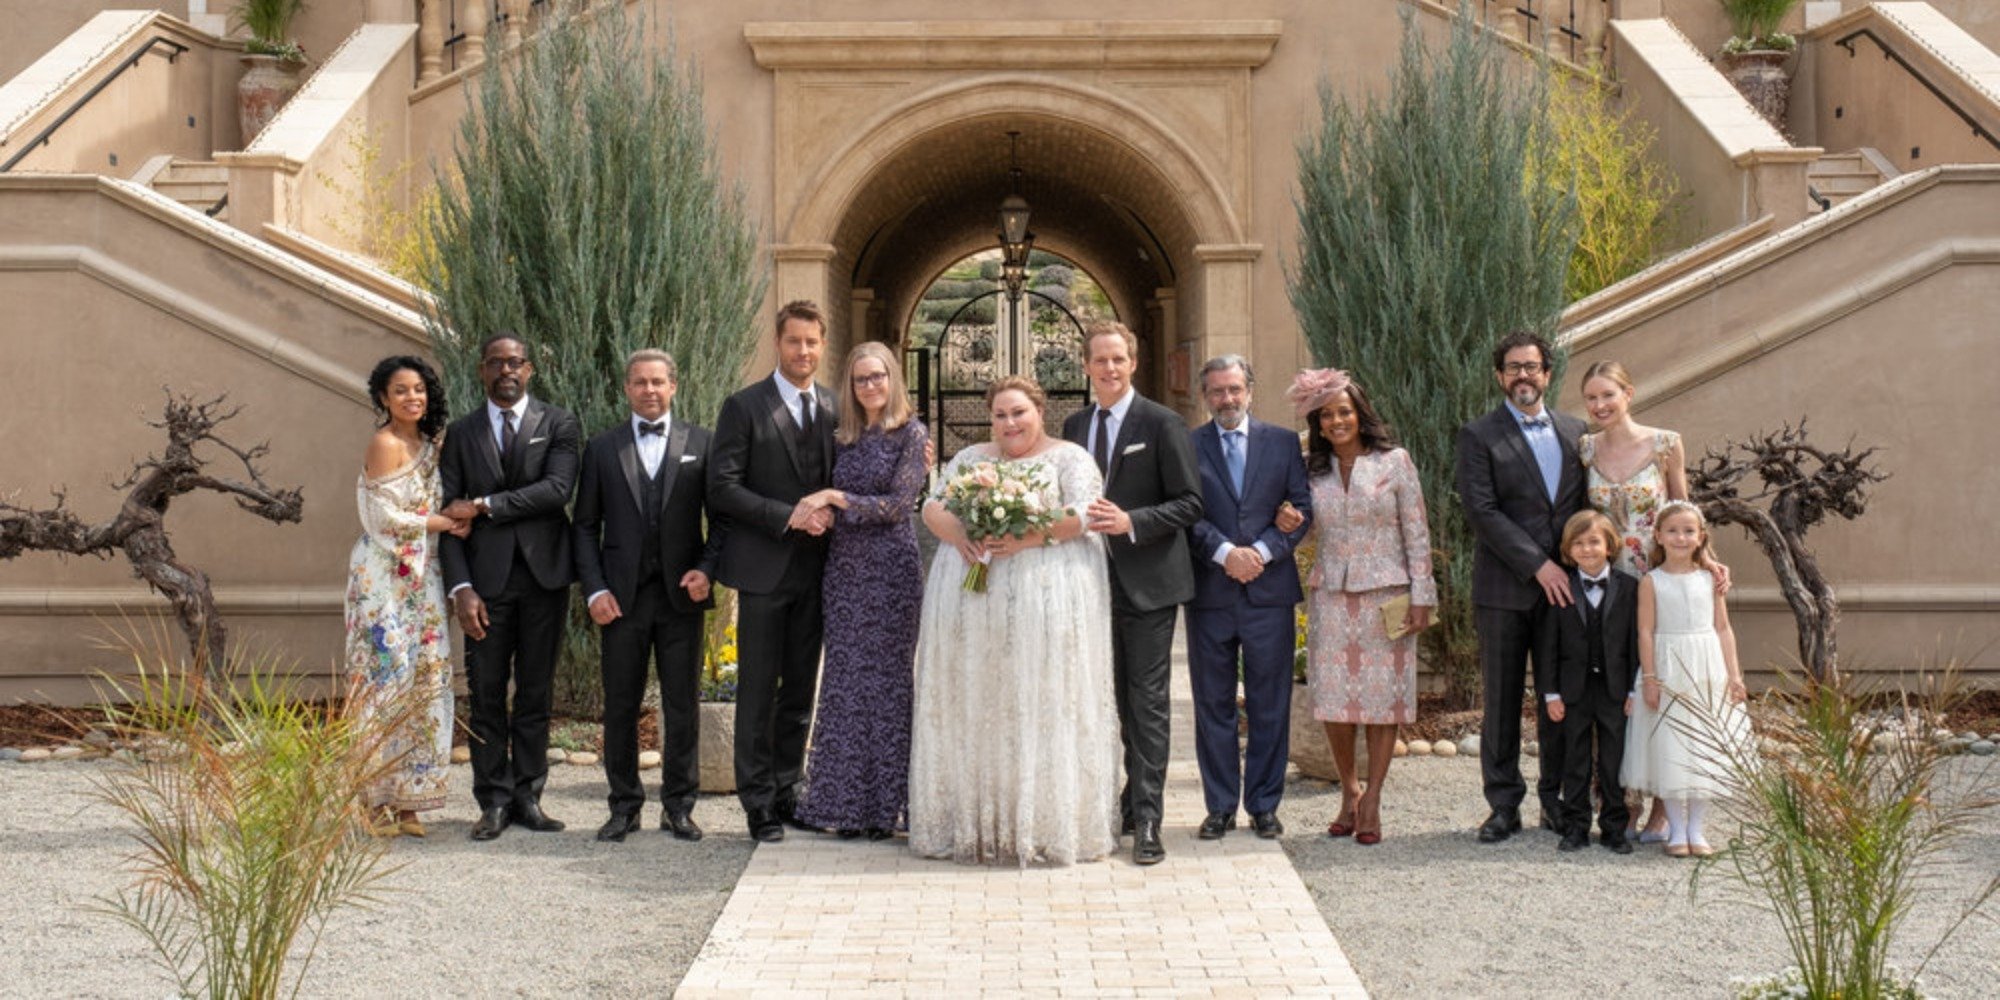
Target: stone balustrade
column 455, row 34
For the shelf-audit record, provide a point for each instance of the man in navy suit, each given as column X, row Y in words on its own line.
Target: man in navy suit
column 1246, row 587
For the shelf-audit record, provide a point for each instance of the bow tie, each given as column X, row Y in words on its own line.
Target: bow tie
column 1590, row 583
column 657, row 427
column 1533, row 422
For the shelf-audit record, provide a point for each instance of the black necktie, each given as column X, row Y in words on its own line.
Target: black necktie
column 657, row 427
column 806, row 419
column 1102, row 451
column 506, row 433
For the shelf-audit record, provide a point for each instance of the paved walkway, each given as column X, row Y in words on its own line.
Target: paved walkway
column 819, row 916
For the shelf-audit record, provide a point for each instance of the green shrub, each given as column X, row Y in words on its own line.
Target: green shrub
column 1624, row 197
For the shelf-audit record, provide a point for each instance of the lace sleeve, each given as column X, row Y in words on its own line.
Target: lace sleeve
column 1665, row 443
column 904, row 487
column 1076, row 478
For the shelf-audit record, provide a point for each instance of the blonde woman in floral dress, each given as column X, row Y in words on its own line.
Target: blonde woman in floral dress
column 398, row 648
column 1634, row 470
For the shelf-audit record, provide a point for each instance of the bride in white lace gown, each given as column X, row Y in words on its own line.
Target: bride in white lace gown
column 1014, row 743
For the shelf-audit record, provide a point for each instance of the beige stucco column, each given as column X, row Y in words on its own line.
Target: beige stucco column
column 1226, row 275
column 860, row 303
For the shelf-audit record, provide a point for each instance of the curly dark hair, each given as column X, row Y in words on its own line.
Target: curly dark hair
column 435, row 412
column 1375, row 432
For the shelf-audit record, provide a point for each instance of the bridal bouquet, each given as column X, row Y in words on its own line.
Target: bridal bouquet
column 993, row 499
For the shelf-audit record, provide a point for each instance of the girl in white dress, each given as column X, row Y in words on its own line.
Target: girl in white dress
column 1014, row 751
column 1689, row 681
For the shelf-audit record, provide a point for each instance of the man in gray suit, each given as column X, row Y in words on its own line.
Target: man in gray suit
column 1519, row 479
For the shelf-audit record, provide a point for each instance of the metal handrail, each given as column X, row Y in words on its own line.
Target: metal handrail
column 1847, row 42
column 130, row 61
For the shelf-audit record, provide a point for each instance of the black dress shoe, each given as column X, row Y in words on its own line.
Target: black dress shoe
column 1575, row 840
column 1125, row 828
column 1550, row 824
column 764, row 826
column 530, row 815
column 1616, row 843
column 615, row 828
column 491, row 823
column 1267, row 825
column 681, row 824
column 1499, row 825
column 1216, row 825
column 1146, row 846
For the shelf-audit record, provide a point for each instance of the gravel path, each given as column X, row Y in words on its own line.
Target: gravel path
column 1430, row 912
column 528, row 915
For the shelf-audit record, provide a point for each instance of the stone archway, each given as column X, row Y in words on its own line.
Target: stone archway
column 890, row 159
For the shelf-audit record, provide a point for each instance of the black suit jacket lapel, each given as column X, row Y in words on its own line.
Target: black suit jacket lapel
column 1524, row 454
column 1572, row 464
column 531, row 420
column 670, row 463
column 635, row 470
column 786, row 423
column 1128, row 429
column 487, row 447
column 826, row 420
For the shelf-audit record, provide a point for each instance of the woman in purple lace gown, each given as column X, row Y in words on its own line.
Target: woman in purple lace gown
column 858, row 773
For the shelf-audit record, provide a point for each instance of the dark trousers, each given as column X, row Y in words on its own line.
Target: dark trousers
column 1507, row 640
column 1600, row 718
column 1264, row 639
column 510, row 740
column 1142, row 645
column 778, row 637
column 650, row 630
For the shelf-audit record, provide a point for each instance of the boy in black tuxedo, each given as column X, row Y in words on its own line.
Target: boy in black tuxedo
column 1597, row 651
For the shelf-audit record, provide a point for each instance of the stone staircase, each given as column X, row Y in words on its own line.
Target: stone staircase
column 202, row 185
column 1838, row 177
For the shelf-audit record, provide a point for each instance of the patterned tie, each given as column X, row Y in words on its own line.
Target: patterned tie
column 506, row 434
column 1232, row 452
column 1533, row 422
column 1101, row 451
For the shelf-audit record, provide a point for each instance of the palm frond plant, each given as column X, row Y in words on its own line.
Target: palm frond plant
column 1845, row 812
column 250, row 831
column 1754, row 25
column 269, row 25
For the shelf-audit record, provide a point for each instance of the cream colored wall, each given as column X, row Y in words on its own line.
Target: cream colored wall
column 35, row 26
column 1865, row 99
column 186, row 107
column 1866, row 331
column 112, row 296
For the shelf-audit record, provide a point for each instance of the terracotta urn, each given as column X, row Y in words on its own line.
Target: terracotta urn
column 268, row 82
column 1760, row 76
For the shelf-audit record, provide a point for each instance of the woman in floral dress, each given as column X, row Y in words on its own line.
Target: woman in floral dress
column 398, row 649
column 858, row 776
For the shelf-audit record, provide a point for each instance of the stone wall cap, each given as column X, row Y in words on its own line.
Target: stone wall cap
column 1044, row 44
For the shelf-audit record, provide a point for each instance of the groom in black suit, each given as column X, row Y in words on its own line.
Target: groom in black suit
column 1152, row 495
column 773, row 447
column 645, row 571
column 509, row 466
column 1519, row 479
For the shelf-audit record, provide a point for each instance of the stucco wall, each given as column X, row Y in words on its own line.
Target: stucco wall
column 34, row 26
column 113, row 296
column 1872, row 333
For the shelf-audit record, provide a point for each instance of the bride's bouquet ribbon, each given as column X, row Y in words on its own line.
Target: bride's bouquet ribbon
column 995, row 499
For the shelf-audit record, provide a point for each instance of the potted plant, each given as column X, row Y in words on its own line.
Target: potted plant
column 1756, row 57
column 718, row 695
column 274, row 64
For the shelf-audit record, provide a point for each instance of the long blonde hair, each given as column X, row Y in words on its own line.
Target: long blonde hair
column 853, row 418
column 1704, row 552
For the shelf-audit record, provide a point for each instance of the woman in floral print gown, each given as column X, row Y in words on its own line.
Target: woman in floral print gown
column 398, row 647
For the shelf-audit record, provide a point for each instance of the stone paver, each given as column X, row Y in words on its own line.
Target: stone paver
column 819, row 916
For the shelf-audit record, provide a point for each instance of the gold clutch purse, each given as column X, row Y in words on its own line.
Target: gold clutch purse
column 1396, row 616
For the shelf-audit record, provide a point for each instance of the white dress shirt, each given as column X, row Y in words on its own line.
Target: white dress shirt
column 652, row 447
column 791, row 395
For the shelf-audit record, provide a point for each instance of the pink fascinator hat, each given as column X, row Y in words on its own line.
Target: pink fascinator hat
column 1315, row 387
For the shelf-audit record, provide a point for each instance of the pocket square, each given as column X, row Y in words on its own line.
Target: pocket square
column 538, row 440
column 688, row 458
column 1130, row 448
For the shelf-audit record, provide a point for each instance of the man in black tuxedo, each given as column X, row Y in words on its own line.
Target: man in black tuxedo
column 510, row 466
column 1152, row 495
column 774, row 447
column 1246, row 587
column 1519, row 480
column 645, row 571
column 1597, row 659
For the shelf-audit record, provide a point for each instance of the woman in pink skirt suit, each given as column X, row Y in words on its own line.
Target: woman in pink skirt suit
column 1374, row 547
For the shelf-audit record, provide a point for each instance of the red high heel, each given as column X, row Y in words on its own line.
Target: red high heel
column 1339, row 829
column 1368, row 838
